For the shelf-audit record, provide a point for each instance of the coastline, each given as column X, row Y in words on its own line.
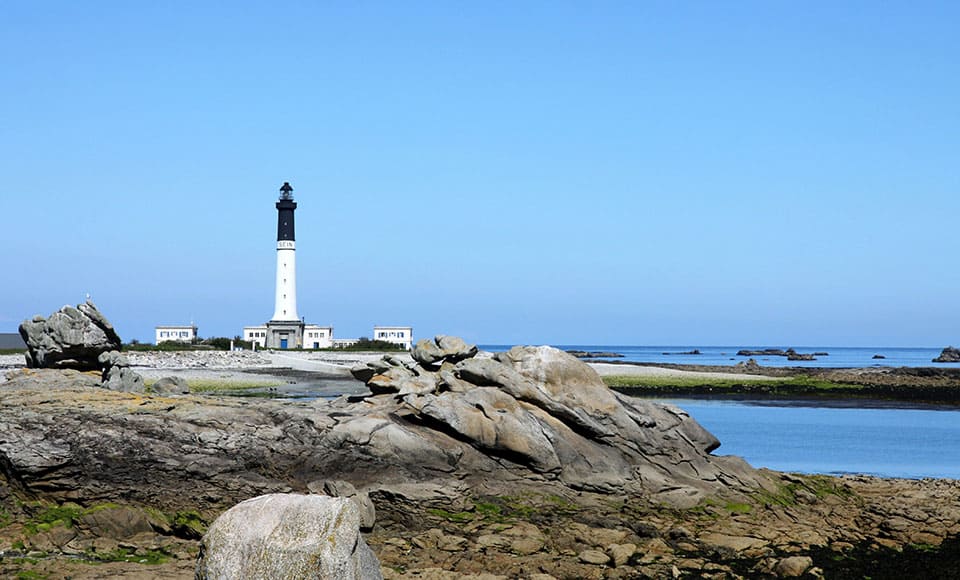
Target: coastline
column 328, row 373
column 454, row 535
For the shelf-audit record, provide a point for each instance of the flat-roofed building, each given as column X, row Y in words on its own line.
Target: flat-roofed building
column 402, row 335
column 175, row 333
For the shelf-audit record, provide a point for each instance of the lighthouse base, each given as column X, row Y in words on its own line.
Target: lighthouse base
column 284, row 334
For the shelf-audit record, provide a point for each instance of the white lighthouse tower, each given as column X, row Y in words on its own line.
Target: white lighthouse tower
column 285, row 329
column 286, row 298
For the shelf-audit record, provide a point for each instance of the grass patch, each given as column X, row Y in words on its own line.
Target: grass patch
column 201, row 386
column 188, row 524
column 30, row 575
column 148, row 557
column 13, row 350
column 737, row 508
column 678, row 385
column 820, row 486
column 47, row 517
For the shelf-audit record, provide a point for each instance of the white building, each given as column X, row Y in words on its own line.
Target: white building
column 256, row 335
column 317, row 336
column 176, row 333
column 313, row 336
column 402, row 335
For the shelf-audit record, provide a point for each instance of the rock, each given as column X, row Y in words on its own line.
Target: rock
column 796, row 356
column 285, row 536
column 525, row 538
column 750, row 365
column 116, row 522
column 793, row 567
column 878, row 357
column 117, row 374
column 763, row 352
column 70, row 338
column 620, row 554
column 593, row 557
column 339, row 488
column 170, row 386
column 591, row 354
column 948, row 355
column 442, row 348
column 728, row 546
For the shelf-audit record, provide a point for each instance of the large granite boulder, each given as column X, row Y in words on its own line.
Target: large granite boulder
column 287, row 537
column 541, row 410
column 948, row 355
column 71, row 338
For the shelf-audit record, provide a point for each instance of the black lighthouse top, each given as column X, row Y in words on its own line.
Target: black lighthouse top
column 285, row 208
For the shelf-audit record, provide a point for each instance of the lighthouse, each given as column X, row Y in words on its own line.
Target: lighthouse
column 286, row 298
column 285, row 329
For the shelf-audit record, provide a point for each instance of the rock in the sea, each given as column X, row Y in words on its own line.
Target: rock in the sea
column 287, row 537
column 948, row 355
column 71, row 338
column 591, row 354
column 796, row 356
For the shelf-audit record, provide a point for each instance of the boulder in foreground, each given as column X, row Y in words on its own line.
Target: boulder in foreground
column 287, row 537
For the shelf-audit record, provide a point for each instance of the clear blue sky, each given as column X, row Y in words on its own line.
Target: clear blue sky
column 780, row 173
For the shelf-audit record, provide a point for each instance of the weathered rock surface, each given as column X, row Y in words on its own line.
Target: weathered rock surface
column 287, row 537
column 948, row 355
column 70, row 338
column 531, row 416
column 442, row 348
column 511, row 464
column 170, row 386
column 117, row 374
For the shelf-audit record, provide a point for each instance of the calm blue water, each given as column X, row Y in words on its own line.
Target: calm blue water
column 838, row 357
column 889, row 442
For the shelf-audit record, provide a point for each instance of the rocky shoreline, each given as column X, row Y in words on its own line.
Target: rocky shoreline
column 73, row 488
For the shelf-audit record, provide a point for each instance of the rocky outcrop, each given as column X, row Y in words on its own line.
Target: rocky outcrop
column 790, row 354
column 948, row 355
column 442, row 348
column 117, row 374
column 592, row 354
column 71, row 338
column 796, row 356
column 527, row 417
column 287, row 537
column 543, row 410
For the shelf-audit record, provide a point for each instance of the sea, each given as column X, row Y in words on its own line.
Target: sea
column 886, row 439
column 833, row 357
